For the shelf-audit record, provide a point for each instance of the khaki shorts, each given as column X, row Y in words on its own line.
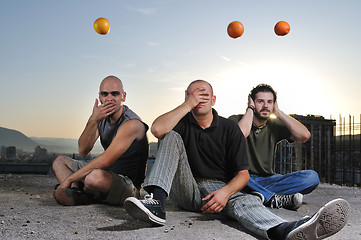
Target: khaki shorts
column 121, row 188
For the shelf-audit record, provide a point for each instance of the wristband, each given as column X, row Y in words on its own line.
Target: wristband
column 251, row 107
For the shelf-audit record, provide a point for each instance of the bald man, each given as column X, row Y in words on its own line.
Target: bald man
column 120, row 170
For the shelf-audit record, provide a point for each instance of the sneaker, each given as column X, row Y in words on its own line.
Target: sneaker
column 330, row 219
column 148, row 210
column 289, row 201
column 258, row 194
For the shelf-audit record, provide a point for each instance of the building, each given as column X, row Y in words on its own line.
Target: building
column 10, row 153
column 318, row 153
column 41, row 153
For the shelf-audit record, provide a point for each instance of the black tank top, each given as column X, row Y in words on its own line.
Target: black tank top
column 133, row 162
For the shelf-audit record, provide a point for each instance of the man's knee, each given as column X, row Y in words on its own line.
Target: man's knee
column 96, row 179
column 311, row 181
column 59, row 162
column 313, row 178
column 171, row 140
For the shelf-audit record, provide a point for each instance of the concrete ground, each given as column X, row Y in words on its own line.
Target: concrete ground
column 28, row 211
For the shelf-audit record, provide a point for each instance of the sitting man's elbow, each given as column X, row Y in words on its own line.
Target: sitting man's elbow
column 156, row 131
column 83, row 152
column 247, row 177
column 306, row 137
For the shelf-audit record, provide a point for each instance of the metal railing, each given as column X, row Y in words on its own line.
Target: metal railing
column 334, row 151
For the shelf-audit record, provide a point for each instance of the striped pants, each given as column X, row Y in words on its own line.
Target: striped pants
column 171, row 172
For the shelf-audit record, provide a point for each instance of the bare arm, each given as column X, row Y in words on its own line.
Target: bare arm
column 90, row 134
column 299, row 132
column 219, row 198
column 245, row 124
column 127, row 133
column 166, row 122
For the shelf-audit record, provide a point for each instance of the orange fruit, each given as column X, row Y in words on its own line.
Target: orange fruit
column 102, row 26
column 235, row 29
column 282, row 28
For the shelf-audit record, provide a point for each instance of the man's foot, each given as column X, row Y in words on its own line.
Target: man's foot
column 330, row 219
column 148, row 210
column 289, row 201
column 72, row 197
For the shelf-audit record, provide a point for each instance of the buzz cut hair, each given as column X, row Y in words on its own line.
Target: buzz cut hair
column 201, row 81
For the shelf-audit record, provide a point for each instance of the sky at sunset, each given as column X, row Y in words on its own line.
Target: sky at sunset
column 52, row 60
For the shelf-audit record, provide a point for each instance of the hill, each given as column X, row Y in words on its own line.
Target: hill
column 68, row 145
column 9, row 137
column 64, row 145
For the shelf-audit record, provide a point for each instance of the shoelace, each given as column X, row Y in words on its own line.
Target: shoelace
column 148, row 199
column 281, row 201
column 302, row 221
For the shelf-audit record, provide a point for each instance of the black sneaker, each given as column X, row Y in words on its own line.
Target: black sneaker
column 148, row 210
column 289, row 201
column 330, row 219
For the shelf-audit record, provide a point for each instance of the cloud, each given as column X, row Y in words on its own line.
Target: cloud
column 230, row 60
column 225, row 58
column 145, row 11
column 242, row 63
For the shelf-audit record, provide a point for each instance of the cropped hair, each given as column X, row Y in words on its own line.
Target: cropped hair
column 199, row 80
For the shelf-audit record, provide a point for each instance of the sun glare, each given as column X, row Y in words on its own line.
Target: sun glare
column 295, row 87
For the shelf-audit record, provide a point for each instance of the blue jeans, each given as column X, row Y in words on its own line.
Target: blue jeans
column 297, row 182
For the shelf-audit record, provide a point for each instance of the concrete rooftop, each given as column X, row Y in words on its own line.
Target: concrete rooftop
column 28, row 211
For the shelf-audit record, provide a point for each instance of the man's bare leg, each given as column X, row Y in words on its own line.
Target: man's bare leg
column 62, row 169
column 73, row 195
column 98, row 183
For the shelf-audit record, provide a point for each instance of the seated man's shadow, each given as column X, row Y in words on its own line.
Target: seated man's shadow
column 223, row 219
column 130, row 223
column 119, row 213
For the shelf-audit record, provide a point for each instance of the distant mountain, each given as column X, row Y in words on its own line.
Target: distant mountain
column 64, row 145
column 68, row 145
column 9, row 137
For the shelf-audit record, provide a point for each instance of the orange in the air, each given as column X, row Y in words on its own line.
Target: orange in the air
column 102, row 26
column 235, row 29
column 282, row 28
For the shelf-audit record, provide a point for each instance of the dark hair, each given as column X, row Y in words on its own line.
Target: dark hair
column 263, row 88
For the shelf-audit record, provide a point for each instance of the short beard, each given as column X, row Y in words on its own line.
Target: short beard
column 259, row 117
